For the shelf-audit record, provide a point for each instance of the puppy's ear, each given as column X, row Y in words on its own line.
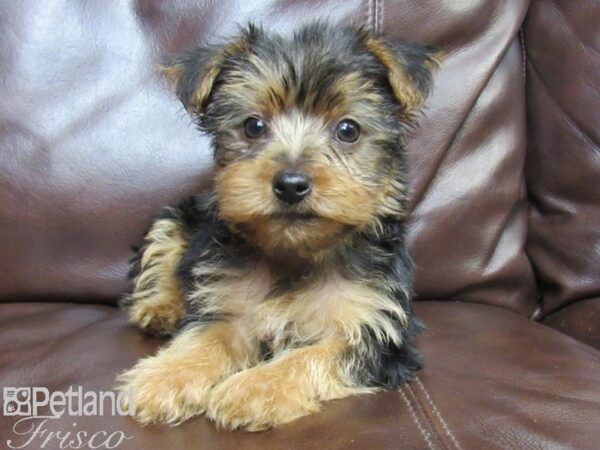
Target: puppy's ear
column 195, row 71
column 410, row 69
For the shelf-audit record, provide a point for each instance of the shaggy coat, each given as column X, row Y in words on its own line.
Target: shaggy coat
column 275, row 306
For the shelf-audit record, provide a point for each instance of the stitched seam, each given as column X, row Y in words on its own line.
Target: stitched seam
column 381, row 8
column 416, row 419
column 436, row 411
column 523, row 53
column 375, row 24
column 427, row 418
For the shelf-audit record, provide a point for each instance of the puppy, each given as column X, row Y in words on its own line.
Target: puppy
column 289, row 283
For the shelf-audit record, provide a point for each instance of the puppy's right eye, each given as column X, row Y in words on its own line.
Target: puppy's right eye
column 254, row 127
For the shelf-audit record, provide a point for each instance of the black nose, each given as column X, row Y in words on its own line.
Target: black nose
column 291, row 187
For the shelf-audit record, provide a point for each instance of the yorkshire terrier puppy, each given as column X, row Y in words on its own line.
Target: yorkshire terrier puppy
column 289, row 283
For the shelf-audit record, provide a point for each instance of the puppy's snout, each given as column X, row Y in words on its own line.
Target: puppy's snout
column 291, row 187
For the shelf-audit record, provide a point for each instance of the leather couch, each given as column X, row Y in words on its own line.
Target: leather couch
column 505, row 229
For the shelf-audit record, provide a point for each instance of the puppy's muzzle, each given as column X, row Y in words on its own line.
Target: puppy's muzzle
column 291, row 187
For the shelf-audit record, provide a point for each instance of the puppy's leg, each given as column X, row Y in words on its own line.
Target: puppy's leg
column 156, row 304
column 174, row 385
column 290, row 386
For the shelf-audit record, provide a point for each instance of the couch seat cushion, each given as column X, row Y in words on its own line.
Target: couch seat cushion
column 492, row 380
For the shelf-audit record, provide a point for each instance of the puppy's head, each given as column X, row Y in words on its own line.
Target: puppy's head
column 307, row 129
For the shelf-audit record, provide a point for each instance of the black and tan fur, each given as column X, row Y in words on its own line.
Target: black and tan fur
column 275, row 308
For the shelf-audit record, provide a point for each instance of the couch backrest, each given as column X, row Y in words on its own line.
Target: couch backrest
column 563, row 163
column 93, row 142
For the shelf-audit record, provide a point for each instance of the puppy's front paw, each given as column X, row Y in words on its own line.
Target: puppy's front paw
column 257, row 399
column 165, row 392
column 156, row 317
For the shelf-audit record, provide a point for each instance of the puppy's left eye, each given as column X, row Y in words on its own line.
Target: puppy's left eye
column 347, row 131
column 254, row 127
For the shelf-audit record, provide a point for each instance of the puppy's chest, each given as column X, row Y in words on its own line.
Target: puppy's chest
column 284, row 317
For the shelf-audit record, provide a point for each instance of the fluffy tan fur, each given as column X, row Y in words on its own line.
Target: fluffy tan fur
column 299, row 321
column 176, row 383
column 311, row 331
column 157, row 298
column 210, row 73
column 290, row 386
column 409, row 96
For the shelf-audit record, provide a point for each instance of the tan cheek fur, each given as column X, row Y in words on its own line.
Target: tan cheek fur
column 244, row 190
column 351, row 185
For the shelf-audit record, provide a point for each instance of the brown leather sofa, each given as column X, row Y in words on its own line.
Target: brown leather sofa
column 505, row 231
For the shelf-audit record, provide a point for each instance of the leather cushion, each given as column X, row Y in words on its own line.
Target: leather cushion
column 580, row 320
column 492, row 379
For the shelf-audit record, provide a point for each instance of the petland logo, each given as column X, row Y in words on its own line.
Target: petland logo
column 36, row 406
